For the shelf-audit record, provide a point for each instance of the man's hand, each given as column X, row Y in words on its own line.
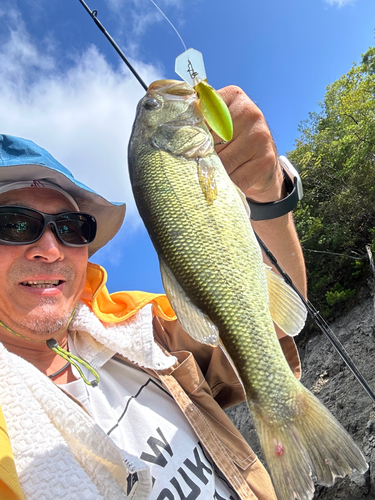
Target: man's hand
column 251, row 157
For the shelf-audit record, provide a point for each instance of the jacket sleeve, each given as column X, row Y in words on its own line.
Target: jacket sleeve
column 215, row 364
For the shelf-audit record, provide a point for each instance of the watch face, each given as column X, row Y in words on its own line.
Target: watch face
column 294, row 174
column 299, row 187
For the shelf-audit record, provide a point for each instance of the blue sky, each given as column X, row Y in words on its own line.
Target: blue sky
column 63, row 86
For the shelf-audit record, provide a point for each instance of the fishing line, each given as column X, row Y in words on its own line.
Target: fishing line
column 319, row 321
column 191, row 71
column 317, row 318
column 162, row 13
column 359, row 257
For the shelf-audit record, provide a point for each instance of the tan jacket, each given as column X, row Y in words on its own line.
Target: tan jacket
column 202, row 384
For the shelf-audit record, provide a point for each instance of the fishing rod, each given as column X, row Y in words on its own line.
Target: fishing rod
column 317, row 318
column 94, row 16
column 319, row 321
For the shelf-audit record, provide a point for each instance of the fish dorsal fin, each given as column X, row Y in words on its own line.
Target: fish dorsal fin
column 197, row 324
column 286, row 308
column 243, row 199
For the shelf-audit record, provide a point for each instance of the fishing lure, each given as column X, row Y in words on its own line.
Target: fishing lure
column 190, row 67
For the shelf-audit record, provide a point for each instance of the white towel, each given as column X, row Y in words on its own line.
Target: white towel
column 133, row 338
column 58, row 448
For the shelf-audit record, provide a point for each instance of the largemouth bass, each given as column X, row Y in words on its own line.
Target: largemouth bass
column 218, row 285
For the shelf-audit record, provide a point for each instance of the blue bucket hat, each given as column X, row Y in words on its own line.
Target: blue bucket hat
column 23, row 160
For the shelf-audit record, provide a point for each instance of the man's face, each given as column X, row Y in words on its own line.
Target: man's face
column 40, row 283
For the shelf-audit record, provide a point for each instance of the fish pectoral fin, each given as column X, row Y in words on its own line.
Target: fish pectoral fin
column 197, row 324
column 207, row 181
column 286, row 308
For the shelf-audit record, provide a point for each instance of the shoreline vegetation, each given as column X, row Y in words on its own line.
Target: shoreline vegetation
column 335, row 220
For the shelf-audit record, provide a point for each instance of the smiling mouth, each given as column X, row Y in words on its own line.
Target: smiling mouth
column 42, row 284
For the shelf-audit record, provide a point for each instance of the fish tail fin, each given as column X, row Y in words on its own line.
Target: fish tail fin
column 307, row 446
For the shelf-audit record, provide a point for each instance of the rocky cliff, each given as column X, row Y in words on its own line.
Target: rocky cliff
column 328, row 377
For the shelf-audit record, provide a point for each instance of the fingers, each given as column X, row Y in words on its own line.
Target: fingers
column 251, row 157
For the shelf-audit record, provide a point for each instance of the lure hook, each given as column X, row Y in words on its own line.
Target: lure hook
column 191, row 71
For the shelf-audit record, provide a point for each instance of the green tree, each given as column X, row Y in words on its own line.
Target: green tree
column 336, row 157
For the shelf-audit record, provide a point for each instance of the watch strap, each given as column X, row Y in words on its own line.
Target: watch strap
column 275, row 209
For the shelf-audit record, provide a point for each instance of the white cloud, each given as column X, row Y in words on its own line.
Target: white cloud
column 82, row 114
column 340, row 3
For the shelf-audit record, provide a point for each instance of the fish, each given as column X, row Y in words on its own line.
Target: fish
column 222, row 292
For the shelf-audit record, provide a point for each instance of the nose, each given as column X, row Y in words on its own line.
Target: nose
column 47, row 248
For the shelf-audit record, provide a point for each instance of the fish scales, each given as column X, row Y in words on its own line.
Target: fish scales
column 214, row 276
column 190, row 234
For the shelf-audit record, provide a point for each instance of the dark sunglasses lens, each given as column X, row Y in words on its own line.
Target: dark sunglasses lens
column 20, row 227
column 76, row 229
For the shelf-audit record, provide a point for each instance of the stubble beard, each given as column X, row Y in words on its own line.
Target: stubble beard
column 47, row 321
column 47, row 317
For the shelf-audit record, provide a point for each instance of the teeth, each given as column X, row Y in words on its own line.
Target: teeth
column 41, row 284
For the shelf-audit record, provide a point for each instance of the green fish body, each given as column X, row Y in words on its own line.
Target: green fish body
column 218, row 285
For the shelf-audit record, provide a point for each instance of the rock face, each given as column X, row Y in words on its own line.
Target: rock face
column 328, row 377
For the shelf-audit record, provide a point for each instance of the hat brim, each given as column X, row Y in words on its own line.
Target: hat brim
column 109, row 216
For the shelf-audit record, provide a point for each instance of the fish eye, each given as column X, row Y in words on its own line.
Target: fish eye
column 151, row 104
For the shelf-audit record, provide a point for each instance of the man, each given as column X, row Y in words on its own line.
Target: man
column 153, row 427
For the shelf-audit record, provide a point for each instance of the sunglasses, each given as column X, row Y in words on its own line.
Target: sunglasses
column 23, row 226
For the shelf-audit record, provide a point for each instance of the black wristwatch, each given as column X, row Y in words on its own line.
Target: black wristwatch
column 274, row 209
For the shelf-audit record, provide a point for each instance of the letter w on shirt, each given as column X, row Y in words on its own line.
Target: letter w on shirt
column 158, row 458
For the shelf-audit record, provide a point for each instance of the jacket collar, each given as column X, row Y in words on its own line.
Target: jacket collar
column 120, row 306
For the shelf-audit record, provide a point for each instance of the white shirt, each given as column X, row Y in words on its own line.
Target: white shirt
column 141, row 417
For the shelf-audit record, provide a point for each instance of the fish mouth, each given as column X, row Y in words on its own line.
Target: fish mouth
column 171, row 87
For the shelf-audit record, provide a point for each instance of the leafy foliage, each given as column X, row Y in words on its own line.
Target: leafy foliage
column 336, row 157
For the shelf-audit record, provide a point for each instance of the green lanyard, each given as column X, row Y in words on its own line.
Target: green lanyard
column 71, row 358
